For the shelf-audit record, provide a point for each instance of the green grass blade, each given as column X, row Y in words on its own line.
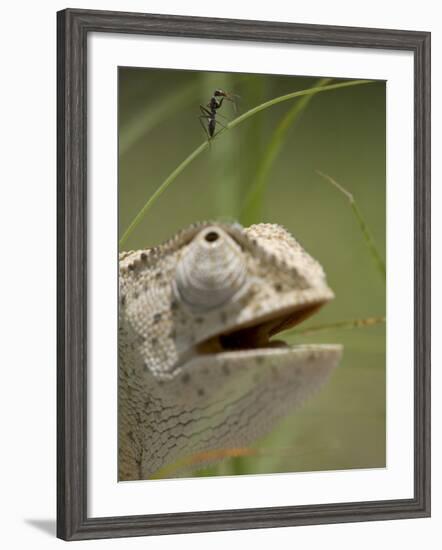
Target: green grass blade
column 354, row 323
column 160, row 190
column 379, row 262
column 251, row 210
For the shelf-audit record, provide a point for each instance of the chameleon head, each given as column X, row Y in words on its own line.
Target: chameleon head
column 235, row 288
column 214, row 289
column 198, row 317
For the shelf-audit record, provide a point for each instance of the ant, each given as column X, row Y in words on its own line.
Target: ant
column 210, row 111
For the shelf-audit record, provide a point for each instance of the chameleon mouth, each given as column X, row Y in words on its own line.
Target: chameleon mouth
column 258, row 334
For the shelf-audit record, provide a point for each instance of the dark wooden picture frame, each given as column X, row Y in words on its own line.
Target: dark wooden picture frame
column 73, row 27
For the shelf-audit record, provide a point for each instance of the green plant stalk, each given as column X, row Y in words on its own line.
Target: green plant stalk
column 231, row 125
column 379, row 262
column 252, row 205
column 354, row 323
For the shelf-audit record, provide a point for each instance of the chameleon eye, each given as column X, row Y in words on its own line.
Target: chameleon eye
column 211, row 236
column 211, row 270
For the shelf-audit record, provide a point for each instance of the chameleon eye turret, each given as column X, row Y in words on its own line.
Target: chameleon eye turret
column 211, row 270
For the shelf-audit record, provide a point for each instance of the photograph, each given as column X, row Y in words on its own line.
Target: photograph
column 217, row 225
column 252, row 273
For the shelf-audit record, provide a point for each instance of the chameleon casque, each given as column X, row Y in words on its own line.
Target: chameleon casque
column 199, row 369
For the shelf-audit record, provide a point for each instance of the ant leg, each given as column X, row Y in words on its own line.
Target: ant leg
column 206, row 131
column 234, row 100
column 203, row 127
column 205, row 112
column 221, row 124
column 222, row 116
column 219, row 131
column 216, row 133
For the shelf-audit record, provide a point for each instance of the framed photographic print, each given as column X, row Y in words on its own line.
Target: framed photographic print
column 243, row 274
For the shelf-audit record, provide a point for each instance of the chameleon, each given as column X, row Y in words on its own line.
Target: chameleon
column 200, row 369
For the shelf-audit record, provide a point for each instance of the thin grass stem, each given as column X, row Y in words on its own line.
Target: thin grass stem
column 267, row 104
column 354, row 323
column 379, row 262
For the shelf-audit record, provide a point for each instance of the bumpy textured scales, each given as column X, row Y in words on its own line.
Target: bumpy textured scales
column 196, row 370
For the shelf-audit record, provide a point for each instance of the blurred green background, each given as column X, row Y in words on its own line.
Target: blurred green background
column 339, row 132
